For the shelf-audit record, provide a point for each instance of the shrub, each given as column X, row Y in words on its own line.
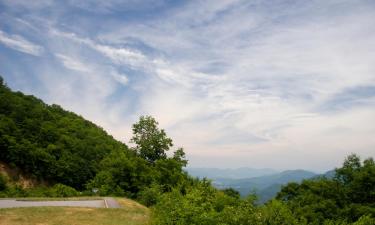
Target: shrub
column 38, row 192
column 61, row 190
column 150, row 195
column 232, row 193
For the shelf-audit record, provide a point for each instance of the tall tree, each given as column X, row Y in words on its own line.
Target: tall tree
column 151, row 142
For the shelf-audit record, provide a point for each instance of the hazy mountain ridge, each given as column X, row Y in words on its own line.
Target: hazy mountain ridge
column 265, row 186
column 237, row 173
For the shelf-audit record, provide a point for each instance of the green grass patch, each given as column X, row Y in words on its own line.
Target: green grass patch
column 132, row 213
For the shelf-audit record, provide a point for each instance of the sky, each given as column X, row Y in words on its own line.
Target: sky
column 280, row 84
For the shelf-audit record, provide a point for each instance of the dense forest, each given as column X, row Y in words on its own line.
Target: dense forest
column 72, row 156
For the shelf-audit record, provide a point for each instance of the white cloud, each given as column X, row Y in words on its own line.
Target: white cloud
column 121, row 78
column 117, row 55
column 19, row 43
column 72, row 64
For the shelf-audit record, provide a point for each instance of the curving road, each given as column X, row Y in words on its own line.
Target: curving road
column 105, row 203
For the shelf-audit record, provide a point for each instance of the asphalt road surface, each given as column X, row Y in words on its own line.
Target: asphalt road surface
column 111, row 203
column 106, row 203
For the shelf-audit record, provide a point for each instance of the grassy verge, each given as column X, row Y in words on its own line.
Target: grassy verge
column 132, row 213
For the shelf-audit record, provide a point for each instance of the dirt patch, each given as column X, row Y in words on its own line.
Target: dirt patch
column 17, row 177
column 81, row 209
column 126, row 203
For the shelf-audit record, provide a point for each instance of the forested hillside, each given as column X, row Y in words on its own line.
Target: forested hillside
column 54, row 145
column 49, row 142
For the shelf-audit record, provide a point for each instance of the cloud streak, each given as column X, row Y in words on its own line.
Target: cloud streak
column 20, row 44
column 72, row 64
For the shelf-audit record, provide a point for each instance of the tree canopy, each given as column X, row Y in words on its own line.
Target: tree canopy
column 151, row 142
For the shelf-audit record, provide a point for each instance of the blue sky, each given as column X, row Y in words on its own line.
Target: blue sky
column 279, row 84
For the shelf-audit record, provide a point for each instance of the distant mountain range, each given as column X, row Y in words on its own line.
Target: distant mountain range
column 239, row 173
column 266, row 183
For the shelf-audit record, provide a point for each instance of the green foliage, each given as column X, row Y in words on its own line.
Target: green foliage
column 122, row 171
column 37, row 192
column 200, row 203
column 3, row 182
column 61, row 190
column 52, row 144
column 232, row 192
column 344, row 199
column 180, row 157
column 58, row 190
column 276, row 213
column 49, row 142
column 150, row 195
column 14, row 191
column 197, row 206
column 169, row 173
column 365, row 220
column 151, row 142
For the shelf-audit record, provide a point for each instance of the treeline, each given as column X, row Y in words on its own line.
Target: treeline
column 345, row 198
column 76, row 157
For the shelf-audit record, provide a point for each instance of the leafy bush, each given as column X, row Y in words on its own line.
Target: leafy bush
column 202, row 204
column 365, row 220
column 15, row 191
column 232, row 192
column 61, row 190
column 38, row 192
column 150, row 195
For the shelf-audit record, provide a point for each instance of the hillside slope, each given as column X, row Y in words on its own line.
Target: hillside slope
column 50, row 142
column 58, row 147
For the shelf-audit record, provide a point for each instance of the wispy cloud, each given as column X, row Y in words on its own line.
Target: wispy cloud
column 72, row 64
column 19, row 43
column 117, row 55
column 121, row 78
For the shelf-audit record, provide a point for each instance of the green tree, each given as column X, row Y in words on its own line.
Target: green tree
column 151, row 142
column 232, row 192
column 180, row 157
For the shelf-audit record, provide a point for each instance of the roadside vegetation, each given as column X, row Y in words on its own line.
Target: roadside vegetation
column 69, row 156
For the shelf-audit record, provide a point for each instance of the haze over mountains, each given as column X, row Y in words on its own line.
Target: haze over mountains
column 235, row 173
column 264, row 182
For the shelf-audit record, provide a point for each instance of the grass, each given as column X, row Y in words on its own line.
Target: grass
column 132, row 213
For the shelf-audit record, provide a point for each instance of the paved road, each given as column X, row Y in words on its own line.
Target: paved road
column 111, row 203
column 106, row 203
